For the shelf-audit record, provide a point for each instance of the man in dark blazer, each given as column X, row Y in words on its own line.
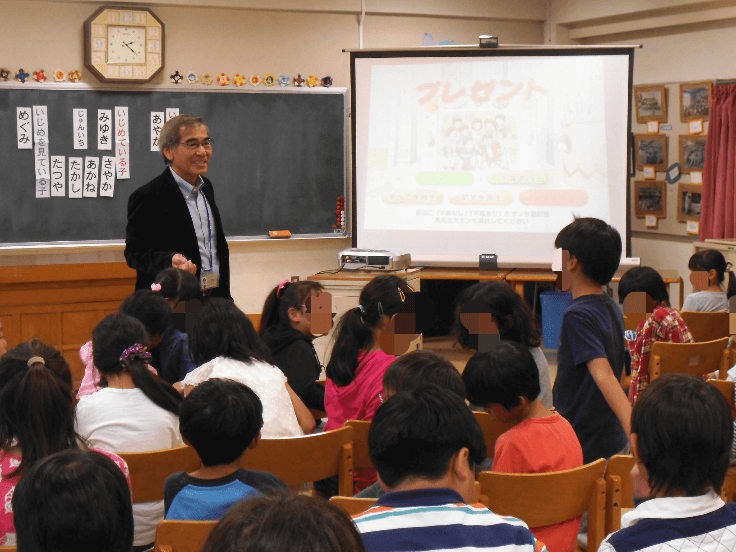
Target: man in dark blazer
column 173, row 220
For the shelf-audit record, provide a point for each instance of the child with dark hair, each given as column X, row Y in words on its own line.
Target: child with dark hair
column 505, row 383
column 495, row 312
column 136, row 412
column 286, row 329
column 221, row 419
column 708, row 271
column 183, row 293
column 425, row 445
column 590, row 358
column 681, row 433
column 73, row 500
column 224, row 344
column 357, row 363
column 645, row 286
column 36, row 417
column 285, row 522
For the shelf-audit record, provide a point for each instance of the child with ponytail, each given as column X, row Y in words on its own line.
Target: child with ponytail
column 287, row 332
column 708, row 271
column 355, row 371
column 136, row 412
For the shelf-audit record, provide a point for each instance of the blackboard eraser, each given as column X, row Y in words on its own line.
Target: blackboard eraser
column 279, row 233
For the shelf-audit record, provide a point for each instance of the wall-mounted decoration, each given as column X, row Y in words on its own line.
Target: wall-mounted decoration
column 651, row 103
column 689, row 197
column 651, row 149
column 650, row 198
column 692, row 153
column 695, row 100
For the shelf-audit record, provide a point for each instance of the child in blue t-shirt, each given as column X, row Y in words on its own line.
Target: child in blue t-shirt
column 221, row 419
column 590, row 358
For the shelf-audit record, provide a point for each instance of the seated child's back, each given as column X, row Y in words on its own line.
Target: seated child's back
column 505, row 383
column 221, row 419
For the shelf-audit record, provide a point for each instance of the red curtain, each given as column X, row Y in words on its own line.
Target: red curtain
column 718, row 208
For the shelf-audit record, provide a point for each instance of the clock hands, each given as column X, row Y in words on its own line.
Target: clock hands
column 127, row 45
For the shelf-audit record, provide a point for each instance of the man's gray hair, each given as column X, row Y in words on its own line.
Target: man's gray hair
column 171, row 131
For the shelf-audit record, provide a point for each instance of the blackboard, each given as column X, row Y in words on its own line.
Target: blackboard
column 278, row 160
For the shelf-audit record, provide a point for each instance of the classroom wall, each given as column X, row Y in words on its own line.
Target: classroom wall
column 683, row 40
column 257, row 36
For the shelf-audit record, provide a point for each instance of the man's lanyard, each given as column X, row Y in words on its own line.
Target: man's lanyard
column 209, row 223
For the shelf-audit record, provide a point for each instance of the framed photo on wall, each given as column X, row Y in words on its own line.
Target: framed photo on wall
column 695, row 100
column 692, row 153
column 689, row 198
column 651, row 103
column 650, row 198
column 651, row 149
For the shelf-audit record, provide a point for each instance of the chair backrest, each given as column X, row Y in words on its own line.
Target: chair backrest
column 492, row 429
column 706, row 326
column 149, row 470
column 361, row 458
column 633, row 319
column 298, row 460
column 728, row 493
column 174, row 535
column 619, row 489
column 695, row 359
column 542, row 499
column 727, row 389
column 354, row 506
column 8, row 548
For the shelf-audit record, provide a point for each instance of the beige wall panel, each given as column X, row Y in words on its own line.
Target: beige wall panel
column 575, row 11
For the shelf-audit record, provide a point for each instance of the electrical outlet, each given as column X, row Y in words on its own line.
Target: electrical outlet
column 295, row 278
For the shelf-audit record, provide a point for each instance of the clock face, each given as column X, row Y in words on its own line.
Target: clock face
column 126, row 44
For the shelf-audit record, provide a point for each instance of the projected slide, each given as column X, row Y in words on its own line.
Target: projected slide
column 506, row 145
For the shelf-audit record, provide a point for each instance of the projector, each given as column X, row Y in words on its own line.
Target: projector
column 354, row 259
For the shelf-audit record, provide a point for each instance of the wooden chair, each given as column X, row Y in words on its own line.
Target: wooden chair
column 729, row 358
column 298, row 460
column 706, row 326
column 727, row 389
column 695, row 359
column 492, row 430
column 149, row 470
column 354, row 506
column 619, row 489
column 728, row 493
column 542, row 499
column 361, row 458
column 8, row 548
column 173, row 535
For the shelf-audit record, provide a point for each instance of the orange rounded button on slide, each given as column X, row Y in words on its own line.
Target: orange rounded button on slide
column 554, row 198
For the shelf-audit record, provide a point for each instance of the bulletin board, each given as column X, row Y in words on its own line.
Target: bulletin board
column 278, row 160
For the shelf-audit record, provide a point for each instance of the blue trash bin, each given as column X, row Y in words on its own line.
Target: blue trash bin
column 554, row 304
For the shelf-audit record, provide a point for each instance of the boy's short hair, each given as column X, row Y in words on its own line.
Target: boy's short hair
column 73, row 500
column 595, row 244
column 422, row 366
column 502, row 376
column 684, row 432
column 220, row 418
column 417, row 433
column 646, row 279
column 285, row 522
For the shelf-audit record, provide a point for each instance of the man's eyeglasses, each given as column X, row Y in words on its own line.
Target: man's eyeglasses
column 193, row 145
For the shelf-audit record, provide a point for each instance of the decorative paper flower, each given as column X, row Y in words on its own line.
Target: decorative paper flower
column 223, row 79
column 327, row 81
column 39, row 76
column 255, row 80
column 312, row 81
column 59, row 75
column 269, row 80
column 207, row 79
column 4, row 74
column 176, row 78
column 284, row 80
column 74, row 76
column 191, row 77
column 21, row 75
column 239, row 80
column 298, row 80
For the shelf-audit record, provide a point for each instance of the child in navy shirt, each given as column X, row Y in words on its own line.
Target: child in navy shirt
column 221, row 419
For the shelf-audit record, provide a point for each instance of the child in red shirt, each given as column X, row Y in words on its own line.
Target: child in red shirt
column 505, row 382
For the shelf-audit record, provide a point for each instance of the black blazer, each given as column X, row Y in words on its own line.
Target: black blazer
column 160, row 226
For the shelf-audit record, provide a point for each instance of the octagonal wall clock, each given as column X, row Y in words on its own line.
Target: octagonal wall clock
column 124, row 44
